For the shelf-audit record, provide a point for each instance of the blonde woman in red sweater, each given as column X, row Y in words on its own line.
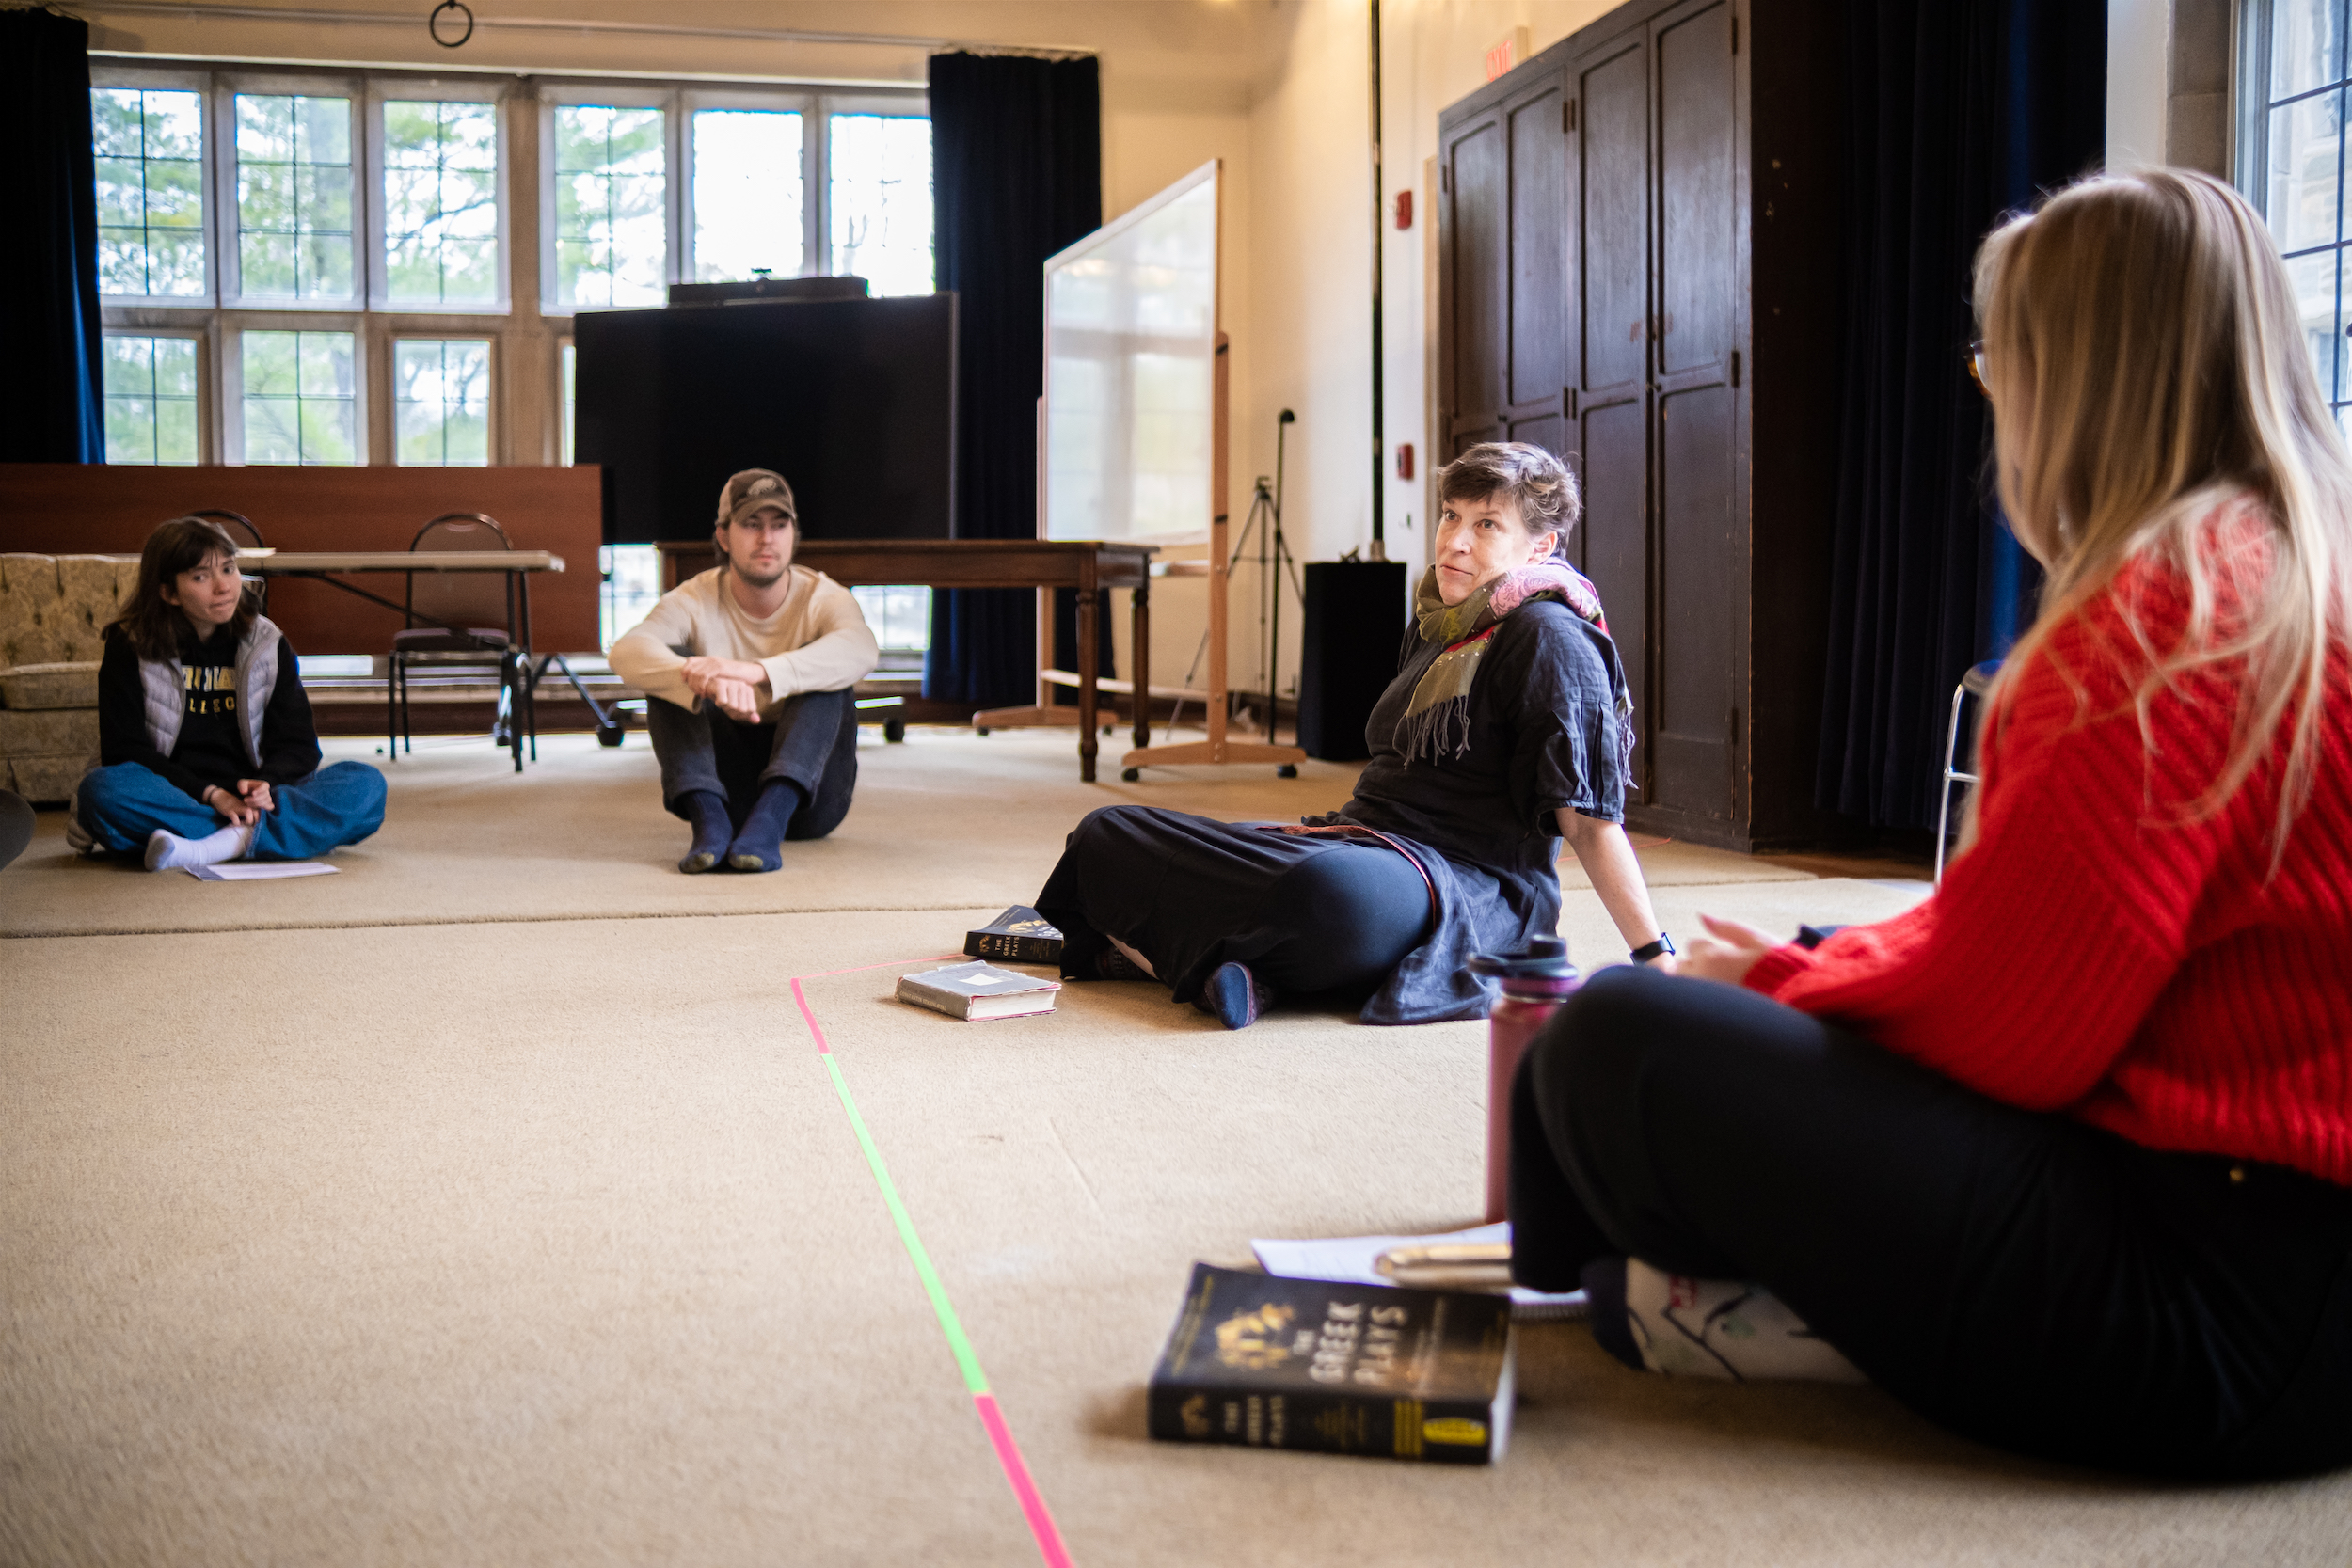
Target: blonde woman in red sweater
column 2062, row 1157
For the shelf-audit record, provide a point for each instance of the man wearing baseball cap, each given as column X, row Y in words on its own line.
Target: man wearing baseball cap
column 748, row 671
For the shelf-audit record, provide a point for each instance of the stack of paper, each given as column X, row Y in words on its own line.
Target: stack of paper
column 260, row 871
column 1355, row 1258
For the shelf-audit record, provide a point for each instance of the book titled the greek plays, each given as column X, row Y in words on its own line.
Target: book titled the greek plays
column 1337, row 1368
column 978, row 991
column 1020, row 935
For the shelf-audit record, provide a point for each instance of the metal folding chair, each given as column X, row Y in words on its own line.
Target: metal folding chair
column 240, row 528
column 471, row 624
column 1973, row 684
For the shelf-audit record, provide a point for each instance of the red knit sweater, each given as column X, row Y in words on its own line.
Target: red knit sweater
column 2090, row 952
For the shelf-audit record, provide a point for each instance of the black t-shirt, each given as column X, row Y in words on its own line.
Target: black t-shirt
column 1543, row 734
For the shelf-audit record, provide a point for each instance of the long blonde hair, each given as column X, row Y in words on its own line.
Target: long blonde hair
column 2147, row 364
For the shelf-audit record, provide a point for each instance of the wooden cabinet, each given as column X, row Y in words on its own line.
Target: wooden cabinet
column 1639, row 249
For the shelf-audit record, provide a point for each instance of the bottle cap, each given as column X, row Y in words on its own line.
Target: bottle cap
column 1544, row 961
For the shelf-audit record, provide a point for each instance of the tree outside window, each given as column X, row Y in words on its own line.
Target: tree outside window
column 441, row 402
column 150, row 149
column 441, row 202
column 880, row 197
column 301, row 397
column 150, row 399
column 611, row 234
column 294, row 198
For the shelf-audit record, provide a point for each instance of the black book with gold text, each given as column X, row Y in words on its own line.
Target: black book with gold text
column 1337, row 1368
column 1020, row 935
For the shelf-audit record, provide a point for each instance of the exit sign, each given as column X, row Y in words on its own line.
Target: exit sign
column 1509, row 51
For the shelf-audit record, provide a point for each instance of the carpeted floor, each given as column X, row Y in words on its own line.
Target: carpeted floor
column 470, row 1213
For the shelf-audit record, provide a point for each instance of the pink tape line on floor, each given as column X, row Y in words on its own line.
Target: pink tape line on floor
column 1033, row 1509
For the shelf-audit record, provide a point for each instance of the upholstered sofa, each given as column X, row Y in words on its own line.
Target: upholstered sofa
column 52, row 610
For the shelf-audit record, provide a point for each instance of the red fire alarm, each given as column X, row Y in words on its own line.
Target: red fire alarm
column 1405, row 460
column 1404, row 209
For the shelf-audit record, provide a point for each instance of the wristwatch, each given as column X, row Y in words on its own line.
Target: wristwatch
column 1658, row 949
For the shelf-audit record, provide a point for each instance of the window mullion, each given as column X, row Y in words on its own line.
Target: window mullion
column 817, row 200
column 676, row 173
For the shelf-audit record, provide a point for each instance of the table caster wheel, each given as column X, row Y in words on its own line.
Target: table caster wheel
column 1132, row 775
column 1288, row 770
column 610, row 734
column 983, row 729
column 894, row 731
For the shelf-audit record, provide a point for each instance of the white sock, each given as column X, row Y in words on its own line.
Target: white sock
column 170, row 852
column 1133, row 957
column 1725, row 1329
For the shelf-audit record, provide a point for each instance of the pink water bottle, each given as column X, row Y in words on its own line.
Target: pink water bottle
column 1534, row 983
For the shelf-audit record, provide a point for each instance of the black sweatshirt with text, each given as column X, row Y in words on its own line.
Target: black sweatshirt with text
column 211, row 747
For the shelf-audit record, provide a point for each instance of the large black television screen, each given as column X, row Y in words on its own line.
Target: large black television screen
column 852, row 400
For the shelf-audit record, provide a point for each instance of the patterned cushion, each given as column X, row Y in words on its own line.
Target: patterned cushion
column 49, row 732
column 52, row 607
column 43, row 686
column 44, row 781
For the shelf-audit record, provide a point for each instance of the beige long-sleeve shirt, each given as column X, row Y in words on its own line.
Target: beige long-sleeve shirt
column 817, row 640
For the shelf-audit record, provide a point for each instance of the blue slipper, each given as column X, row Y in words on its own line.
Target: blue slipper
column 1234, row 995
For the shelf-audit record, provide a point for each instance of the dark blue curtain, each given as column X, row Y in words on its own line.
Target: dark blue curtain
column 1016, row 175
column 49, row 399
column 1959, row 111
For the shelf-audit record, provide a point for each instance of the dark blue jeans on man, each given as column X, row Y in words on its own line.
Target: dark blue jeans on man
column 812, row 742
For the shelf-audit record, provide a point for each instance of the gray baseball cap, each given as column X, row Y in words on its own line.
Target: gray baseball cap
column 751, row 490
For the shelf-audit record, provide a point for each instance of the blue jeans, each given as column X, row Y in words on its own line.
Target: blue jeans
column 341, row 803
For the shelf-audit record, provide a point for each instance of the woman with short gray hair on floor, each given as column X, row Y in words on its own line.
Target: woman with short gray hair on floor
column 1506, row 731
column 2061, row 1157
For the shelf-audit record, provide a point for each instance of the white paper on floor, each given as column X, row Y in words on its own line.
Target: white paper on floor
column 260, row 871
column 1352, row 1258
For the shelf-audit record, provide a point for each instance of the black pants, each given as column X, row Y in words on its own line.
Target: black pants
column 1309, row 916
column 2024, row 1278
column 813, row 742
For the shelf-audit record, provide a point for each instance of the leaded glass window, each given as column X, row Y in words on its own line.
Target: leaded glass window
column 2293, row 87
column 150, row 149
column 612, row 231
column 150, row 389
column 747, row 195
column 301, row 397
column 880, row 197
column 441, row 202
column 441, row 401
column 294, row 198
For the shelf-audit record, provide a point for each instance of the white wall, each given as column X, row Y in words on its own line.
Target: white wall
column 1310, row 235
column 2140, row 34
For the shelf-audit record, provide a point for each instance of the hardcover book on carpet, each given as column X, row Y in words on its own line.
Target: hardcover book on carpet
column 979, row 991
column 1337, row 1368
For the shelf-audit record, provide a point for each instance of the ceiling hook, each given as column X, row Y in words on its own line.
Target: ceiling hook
column 432, row 23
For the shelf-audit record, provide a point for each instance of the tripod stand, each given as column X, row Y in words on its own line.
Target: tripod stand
column 1264, row 524
column 1217, row 749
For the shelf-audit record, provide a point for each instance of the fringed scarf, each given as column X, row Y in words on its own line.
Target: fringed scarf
column 1436, row 721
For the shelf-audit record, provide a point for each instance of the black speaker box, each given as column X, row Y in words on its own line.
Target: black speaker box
column 1354, row 622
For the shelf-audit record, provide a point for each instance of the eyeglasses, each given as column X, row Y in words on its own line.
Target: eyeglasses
column 1976, row 365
